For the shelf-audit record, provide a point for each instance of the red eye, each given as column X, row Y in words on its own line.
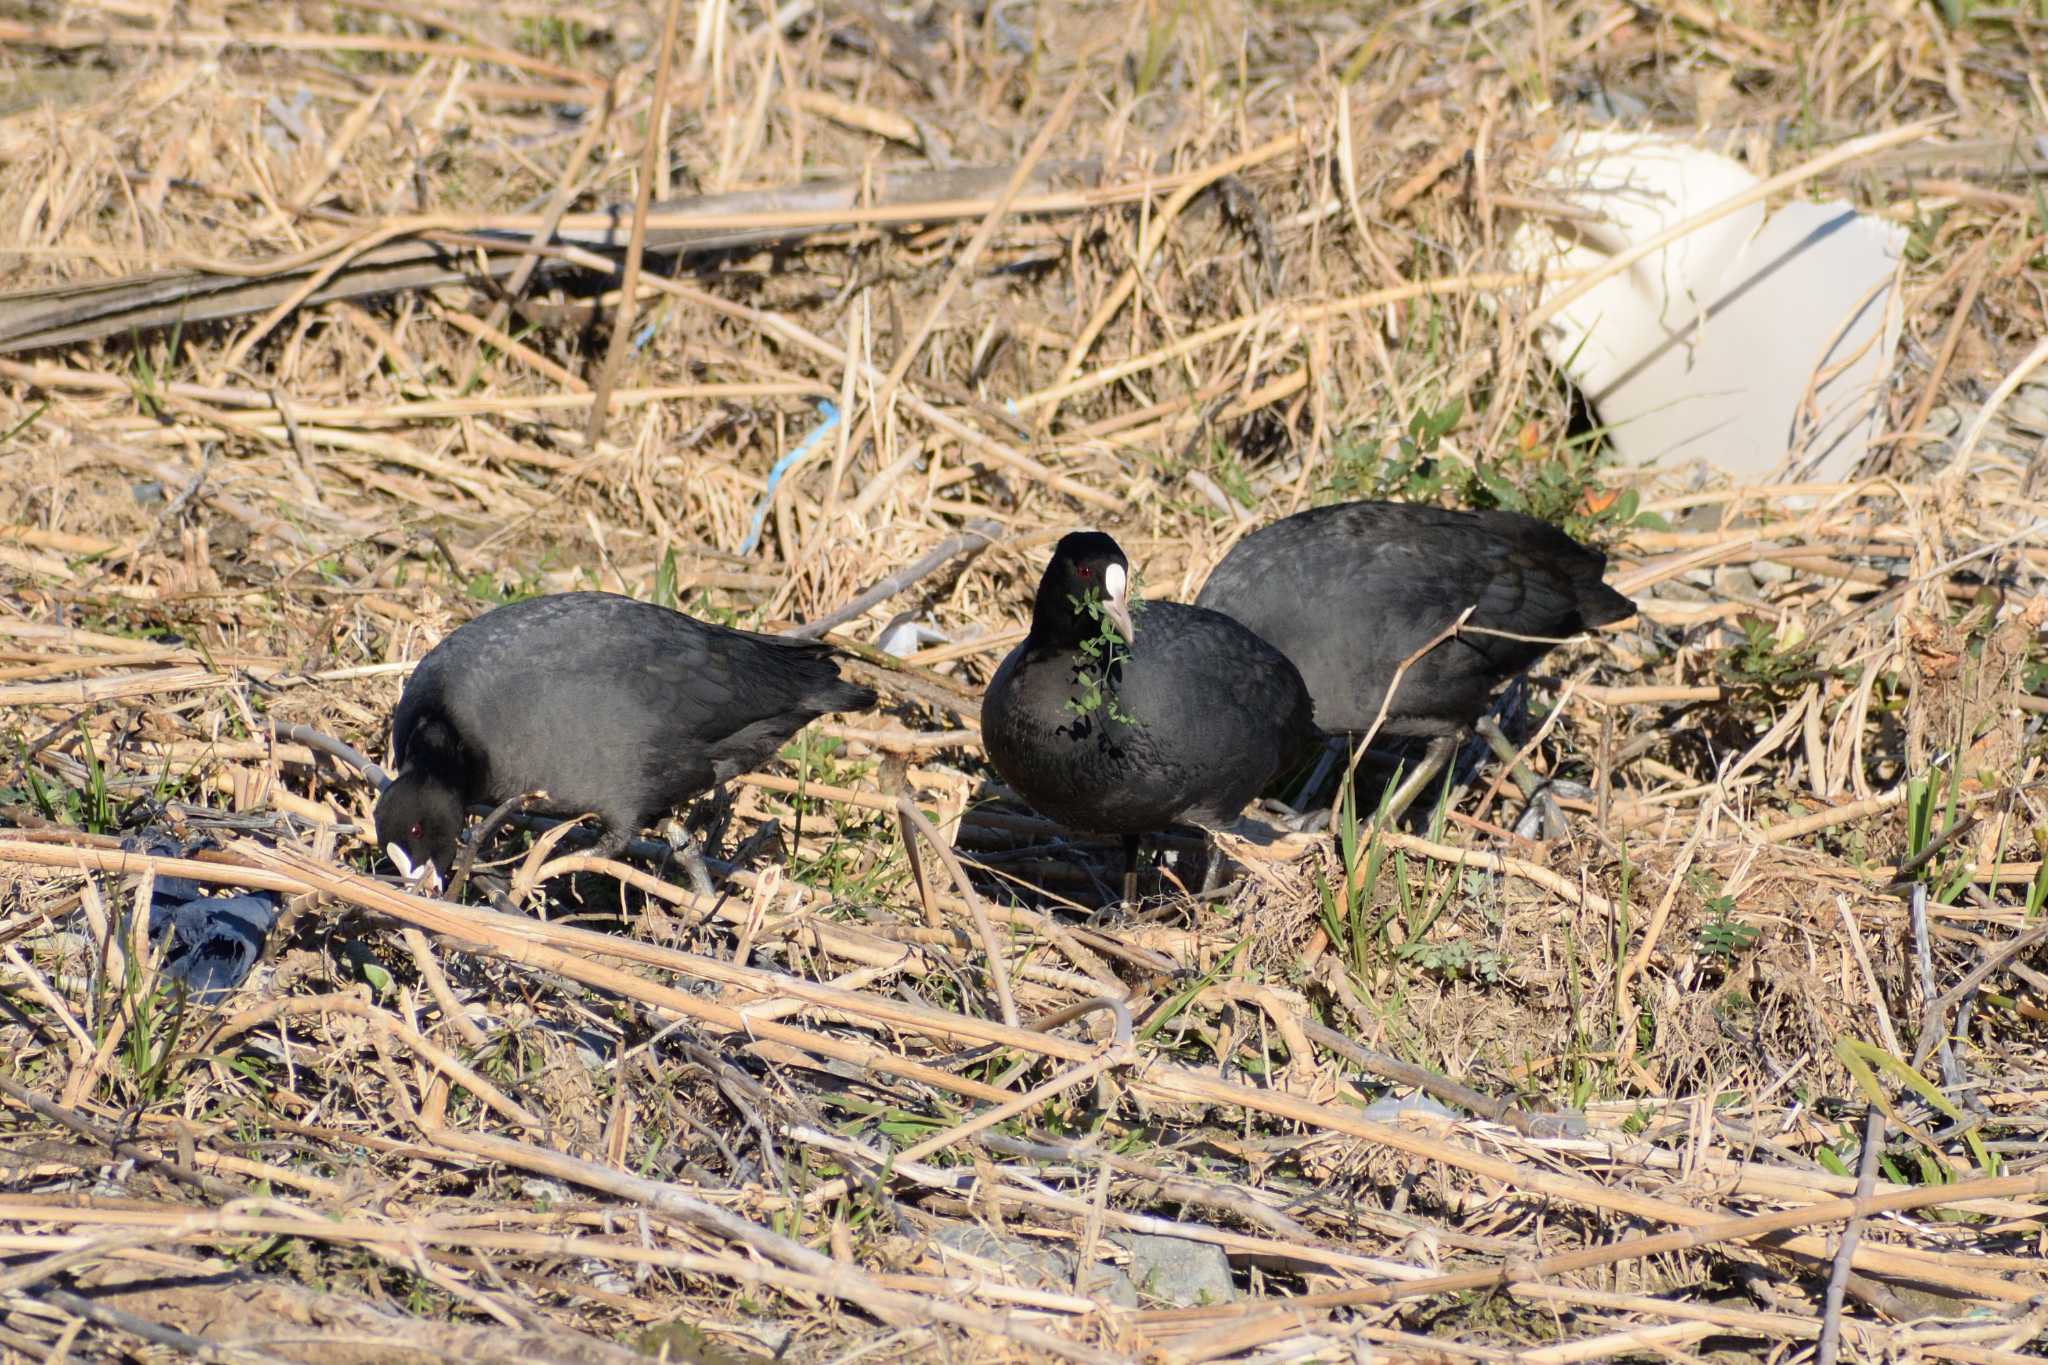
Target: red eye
column 1084, row 571
column 414, row 831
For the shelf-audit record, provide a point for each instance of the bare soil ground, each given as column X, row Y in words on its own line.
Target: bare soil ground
column 283, row 398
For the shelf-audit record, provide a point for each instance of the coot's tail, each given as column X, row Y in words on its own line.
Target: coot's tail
column 843, row 696
column 821, row 689
column 1600, row 605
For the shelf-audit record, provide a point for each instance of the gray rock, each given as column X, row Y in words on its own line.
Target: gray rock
column 2028, row 409
column 1945, row 420
column 1615, row 106
column 595, row 1047
column 1177, row 1271
column 1390, row 1108
column 1038, row 1265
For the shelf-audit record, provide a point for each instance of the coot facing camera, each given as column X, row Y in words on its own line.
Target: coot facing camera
column 1123, row 717
column 610, row 706
column 1350, row 590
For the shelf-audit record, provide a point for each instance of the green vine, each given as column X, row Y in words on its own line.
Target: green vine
column 1106, row 651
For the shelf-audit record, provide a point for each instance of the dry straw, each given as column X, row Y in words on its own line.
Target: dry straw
column 325, row 332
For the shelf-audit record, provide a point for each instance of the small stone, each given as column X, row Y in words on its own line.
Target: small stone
column 683, row 1343
column 1177, row 1271
column 1769, row 573
column 1615, row 106
column 1390, row 1108
column 1944, row 421
column 593, row 1046
column 1038, row 1265
column 2028, row 409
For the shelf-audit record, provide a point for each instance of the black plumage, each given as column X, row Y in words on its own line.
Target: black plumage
column 1181, row 716
column 1350, row 590
column 613, row 707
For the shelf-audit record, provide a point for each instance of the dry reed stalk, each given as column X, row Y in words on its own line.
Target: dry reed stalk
column 360, row 483
column 529, row 943
column 629, row 280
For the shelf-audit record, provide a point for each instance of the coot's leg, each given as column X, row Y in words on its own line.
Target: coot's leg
column 1433, row 759
column 611, row 840
column 1130, row 869
column 683, row 845
column 1534, row 789
column 1212, row 870
column 1332, row 754
column 711, row 813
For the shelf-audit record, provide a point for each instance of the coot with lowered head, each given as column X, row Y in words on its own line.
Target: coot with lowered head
column 1350, row 590
column 610, row 706
column 1171, row 715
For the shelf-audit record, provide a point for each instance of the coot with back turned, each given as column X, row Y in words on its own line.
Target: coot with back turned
column 608, row 705
column 1127, row 717
column 1350, row 590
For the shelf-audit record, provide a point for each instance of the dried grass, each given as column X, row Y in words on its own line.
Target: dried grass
column 1262, row 242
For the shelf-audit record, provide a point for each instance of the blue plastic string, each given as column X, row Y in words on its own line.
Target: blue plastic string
column 829, row 418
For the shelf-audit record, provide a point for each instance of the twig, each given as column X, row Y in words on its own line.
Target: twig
column 1654, row 930
column 1959, row 463
column 1933, row 1031
column 1517, row 868
column 1387, row 700
column 1787, row 830
column 1162, row 222
column 977, row 536
column 1116, row 1052
column 1713, row 1232
column 892, row 776
column 1054, row 125
column 1972, row 284
column 156, row 1334
column 564, row 194
column 328, row 744
column 437, row 986
column 1445, row 1089
column 70, row 313
column 1838, row 1274
column 211, row 1186
column 490, row 825
column 842, row 1281
column 991, row 947
column 359, row 1006
column 643, row 195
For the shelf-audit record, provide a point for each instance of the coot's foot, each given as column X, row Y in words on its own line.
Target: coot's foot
column 1543, row 819
column 1427, row 771
column 764, row 844
column 683, row 848
column 1314, row 820
column 1214, row 873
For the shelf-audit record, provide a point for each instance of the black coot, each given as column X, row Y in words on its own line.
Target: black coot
column 1121, row 717
column 1349, row 591
column 611, row 706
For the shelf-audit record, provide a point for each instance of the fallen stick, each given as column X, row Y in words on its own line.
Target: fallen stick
column 448, row 249
column 978, row 536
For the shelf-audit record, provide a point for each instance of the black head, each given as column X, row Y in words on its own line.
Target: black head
column 1084, row 563
column 419, row 821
